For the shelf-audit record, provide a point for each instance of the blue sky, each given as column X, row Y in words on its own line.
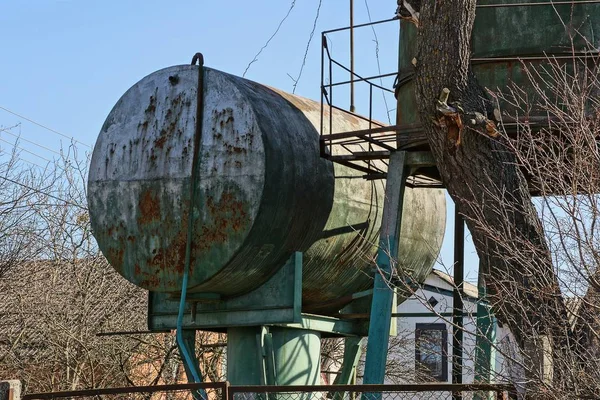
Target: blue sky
column 66, row 63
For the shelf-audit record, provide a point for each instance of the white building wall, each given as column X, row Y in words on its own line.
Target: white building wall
column 416, row 310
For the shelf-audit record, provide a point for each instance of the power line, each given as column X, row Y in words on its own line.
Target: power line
column 44, row 193
column 2, row 152
column 271, row 38
column 15, row 146
column 6, row 130
column 307, row 47
column 50, row 162
column 45, row 127
column 32, row 163
column 23, row 149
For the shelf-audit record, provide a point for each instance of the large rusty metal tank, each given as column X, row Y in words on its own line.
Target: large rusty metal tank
column 263, row 192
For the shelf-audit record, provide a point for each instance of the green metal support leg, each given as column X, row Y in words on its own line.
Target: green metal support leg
column 383, row 293
column 352, row 353
column 267, row 357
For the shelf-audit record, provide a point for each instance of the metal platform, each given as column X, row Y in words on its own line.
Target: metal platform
column 368, row 150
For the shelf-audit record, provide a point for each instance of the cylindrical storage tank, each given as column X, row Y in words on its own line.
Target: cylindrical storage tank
column 294, row 355
column 263, row 192
column 506, row 34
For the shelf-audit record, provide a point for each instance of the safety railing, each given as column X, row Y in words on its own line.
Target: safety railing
column 367, row 146
column 185, row 391
column 360, row 147
column 224, row 391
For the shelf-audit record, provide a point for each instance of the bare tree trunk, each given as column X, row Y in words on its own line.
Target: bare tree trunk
column 482, row 177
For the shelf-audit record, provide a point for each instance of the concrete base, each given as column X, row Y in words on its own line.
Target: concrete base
column 262, row 355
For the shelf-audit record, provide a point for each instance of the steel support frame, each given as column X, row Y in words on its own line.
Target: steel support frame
column 352, row 353
column 387, row 255
column 457, row 301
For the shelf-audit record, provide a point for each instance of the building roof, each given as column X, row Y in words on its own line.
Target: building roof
column 469, row 289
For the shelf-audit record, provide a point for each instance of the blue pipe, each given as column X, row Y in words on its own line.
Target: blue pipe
column 186, row 354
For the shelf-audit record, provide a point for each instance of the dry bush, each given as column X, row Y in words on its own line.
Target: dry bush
column 57, row 292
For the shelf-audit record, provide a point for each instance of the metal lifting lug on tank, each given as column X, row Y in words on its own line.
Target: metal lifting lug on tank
column 280, row 239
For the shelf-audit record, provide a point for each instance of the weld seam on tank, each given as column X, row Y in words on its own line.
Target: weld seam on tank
column 192, row 365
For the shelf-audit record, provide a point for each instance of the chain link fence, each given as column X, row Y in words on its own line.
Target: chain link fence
column 372, row 392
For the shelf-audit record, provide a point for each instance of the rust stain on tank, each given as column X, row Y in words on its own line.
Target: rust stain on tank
column 150, row 280
column 171, row 120
column 149, row 208
column 115, row 256
column 152, row 106
column 160, row 141
column 172, row 257
column 234, row 149
column 228, row 215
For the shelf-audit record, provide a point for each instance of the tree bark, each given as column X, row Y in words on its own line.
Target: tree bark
column 482, row 178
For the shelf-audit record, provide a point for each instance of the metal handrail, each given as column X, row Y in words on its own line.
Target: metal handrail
column 228, row 391
column 223, row 386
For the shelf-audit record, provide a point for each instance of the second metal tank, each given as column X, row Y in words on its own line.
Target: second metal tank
column 507, row 36
column 263, row 192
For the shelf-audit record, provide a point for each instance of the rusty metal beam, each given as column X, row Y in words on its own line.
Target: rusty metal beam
column 362, row 132
column 383, row 21
column 355, row 166
column 362, row 155
column 223, row 386
column 367, row 79
column 414, row 159
column 121, row 333
column 331, row 106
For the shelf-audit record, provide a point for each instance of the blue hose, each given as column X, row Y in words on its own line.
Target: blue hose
column 186, row 354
